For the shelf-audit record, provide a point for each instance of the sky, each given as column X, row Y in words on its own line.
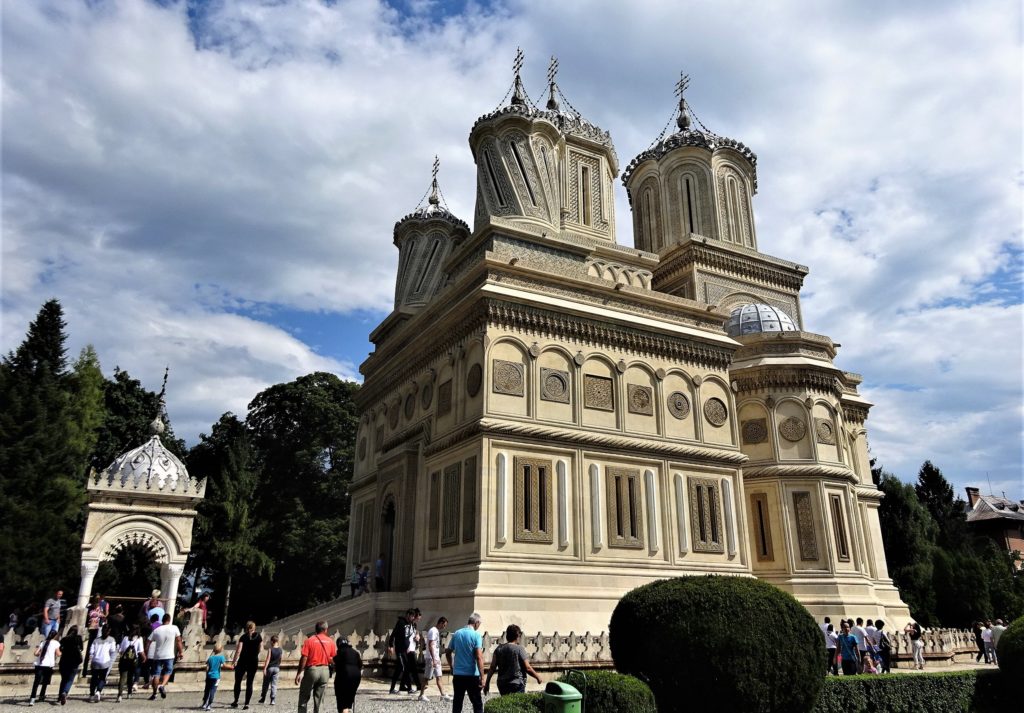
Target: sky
column 212, row 186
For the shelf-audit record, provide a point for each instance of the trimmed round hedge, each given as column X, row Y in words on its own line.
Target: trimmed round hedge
column 740, row 644
column 610, row 692
column 516, row 703
column 1010, row 650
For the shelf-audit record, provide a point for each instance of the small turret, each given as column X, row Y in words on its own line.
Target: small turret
column 425, row 239
column 692, row 182
column 544, row 171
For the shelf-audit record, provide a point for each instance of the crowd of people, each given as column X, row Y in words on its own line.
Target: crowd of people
column 986, row 638
column 858, row 647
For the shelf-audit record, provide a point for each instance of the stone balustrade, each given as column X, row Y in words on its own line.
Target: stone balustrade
column 547, row 651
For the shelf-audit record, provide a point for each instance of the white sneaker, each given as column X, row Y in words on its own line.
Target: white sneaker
column 99, row 695
column 423, row 697
column 118, row 699
column 31, row 701
column 446, row 697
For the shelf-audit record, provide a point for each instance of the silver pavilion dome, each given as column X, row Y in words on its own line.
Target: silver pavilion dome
column 150, row 466
column 757, row 318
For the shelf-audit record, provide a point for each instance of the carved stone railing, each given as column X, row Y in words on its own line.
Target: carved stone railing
column 547, row 651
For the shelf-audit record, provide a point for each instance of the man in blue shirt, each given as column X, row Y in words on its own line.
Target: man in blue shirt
column 468, row 667
column 848, row 651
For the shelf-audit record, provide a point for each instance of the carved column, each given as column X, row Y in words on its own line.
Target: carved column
column 171, row 574
column 89, row 569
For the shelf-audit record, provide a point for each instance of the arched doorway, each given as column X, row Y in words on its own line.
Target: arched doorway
column 387, row 538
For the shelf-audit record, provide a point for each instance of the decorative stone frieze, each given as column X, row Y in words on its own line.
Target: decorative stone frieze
column 715, row 411
column 678, row 405
column 554, row 385
column 507, row 377
column 597, row 392
column 755, row 430
column 640, row 399
column 793, row 429
column 806, row 537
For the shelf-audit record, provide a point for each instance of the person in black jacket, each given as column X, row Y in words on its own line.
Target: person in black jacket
column 348, row 667
column 398, row 644
column 70, row 659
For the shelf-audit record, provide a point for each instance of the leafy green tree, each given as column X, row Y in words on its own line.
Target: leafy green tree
column 228, row 539
column 41, row 493
column 908, row 537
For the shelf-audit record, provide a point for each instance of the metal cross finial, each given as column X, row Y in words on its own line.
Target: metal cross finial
column 163, row 387
column 682, row 84
column 434, row 197
column 518, row 63
column 437, row 165
column 552, row 69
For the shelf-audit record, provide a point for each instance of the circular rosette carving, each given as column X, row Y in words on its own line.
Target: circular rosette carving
column 678, row 405
column 394, row 413
column 755, row 431
column 427, row 395
column 793, row 429
column 508, row 377
column 825, row 431
column 715, row 411
column 410, row 406
column 555, row 385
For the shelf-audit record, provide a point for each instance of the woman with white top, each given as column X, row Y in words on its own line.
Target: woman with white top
column 46, row 658
column 102, row 651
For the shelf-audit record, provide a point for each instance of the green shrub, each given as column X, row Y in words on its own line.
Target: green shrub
column 738, row 642
column 1010, row 649
column 516, row 703
column 954, row 692
column 610, row 692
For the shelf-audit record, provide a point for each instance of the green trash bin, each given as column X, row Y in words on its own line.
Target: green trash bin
column 562, row 698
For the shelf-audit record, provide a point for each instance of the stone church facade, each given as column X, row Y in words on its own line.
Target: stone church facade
column 550, row 418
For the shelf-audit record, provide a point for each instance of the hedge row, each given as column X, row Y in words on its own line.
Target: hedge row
column 955, row 692
column 1010, row 650
column 604, row 692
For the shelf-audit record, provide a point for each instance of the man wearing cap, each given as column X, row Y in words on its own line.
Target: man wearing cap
column 313, row 673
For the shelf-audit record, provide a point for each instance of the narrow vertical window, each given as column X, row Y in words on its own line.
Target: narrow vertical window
column 762, row 527
column 533, row 500
column 585, row 195
column 839, row 528
column 692, row 226
column 625, row 510
column 522, row 170
column 706, row 515
column 734, row 211
column 648, row 218
column 452, row 492
column 495, row 186
column 427, row 265
column 434, row 510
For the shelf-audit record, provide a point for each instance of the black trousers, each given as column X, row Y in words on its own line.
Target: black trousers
column 401, row 672
column 467, row 686
column 41, row 681
column 248, row 672
column 345, row 691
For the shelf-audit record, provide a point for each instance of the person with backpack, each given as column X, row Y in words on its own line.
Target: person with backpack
column 884, row 646
column 71, row 658
column 131, row 654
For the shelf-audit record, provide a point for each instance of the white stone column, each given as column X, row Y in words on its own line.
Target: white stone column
column 499, row 520
column 172, row 573
column 89, row 569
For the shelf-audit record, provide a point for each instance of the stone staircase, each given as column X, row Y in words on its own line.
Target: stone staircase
column 369, row 611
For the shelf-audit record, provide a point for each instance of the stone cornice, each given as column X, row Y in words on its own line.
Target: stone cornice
column 855, row 413
column 758, row 378
column 594, row 439
column 535, row 320
column 715, row 255
column 816, row 470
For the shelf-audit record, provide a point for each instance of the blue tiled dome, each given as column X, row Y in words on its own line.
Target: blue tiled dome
column 756, row 318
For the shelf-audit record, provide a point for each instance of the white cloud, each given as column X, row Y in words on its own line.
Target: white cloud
column 154, row 178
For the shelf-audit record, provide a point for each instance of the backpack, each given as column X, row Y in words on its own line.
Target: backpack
column 883, row 641
column 128, row 655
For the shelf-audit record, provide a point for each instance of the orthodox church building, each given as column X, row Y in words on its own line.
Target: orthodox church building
column 551, row 418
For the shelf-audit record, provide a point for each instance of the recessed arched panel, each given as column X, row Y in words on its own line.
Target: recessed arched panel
column 508, row 378
column 756, row 438
column 640, row 400
column 793, row 430
column 599, row 387
column 678, row 407
column 716, row 412
column 556, row 381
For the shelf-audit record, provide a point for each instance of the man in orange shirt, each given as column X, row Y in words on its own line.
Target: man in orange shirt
column 317, row 652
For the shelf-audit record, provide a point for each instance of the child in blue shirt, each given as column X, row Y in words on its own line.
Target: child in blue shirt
column 213, row 666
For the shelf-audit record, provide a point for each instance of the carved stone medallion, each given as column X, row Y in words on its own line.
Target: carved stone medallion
column 554, row 385
column 427, row 395
column 597, row 393
column 805, row 526
column 362, row 448
column 473, row 380
column 793, row 429
column 444, row 398
column 410, row 406
column 825, row 431
column 640, row 399
column 715, row 411
column 507, row 377
column 755, row 430
column 678, row 405
column 394, row 411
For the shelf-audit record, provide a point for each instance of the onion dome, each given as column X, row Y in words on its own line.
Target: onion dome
column 758, row 318
column 688, row 135
column 151, row 465
column 434, row 209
